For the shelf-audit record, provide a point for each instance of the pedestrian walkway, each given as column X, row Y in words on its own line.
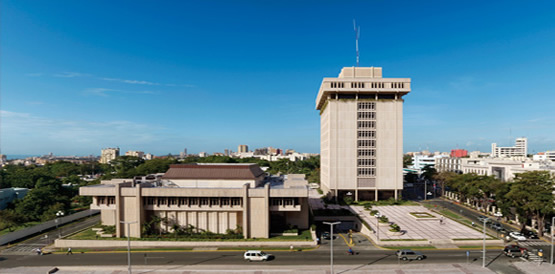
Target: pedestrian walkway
column 266, row 269
column 22, row 249
column 533, row 243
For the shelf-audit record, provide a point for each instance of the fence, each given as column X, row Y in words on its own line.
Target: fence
column 16, row 235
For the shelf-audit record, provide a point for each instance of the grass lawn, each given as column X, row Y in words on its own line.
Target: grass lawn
column 408, row 240
column 422, row 215
column 89, row 234
column 479, row 247
column 410, row 247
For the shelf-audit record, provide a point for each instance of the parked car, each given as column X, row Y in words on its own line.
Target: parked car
column 497, row 226
column 408, row 254
column 515, row 251
column 517, row 236
column 326, row 236
column 256, row 255
column 530, row 234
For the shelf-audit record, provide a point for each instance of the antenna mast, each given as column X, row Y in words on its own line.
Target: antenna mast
column 357, row 35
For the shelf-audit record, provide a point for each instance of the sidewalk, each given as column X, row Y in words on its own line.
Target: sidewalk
column 266, row 269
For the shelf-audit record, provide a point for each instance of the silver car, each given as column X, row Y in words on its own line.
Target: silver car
column 408, row 254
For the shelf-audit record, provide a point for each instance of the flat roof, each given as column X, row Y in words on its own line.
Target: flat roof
column 214, row 171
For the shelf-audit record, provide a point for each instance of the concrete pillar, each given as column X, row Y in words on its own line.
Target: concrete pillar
column 356, row 195
column 246, row 211
column 118, row 211
column 396, row 195
column 267, row 209
column 376, row 195
column 139, row 212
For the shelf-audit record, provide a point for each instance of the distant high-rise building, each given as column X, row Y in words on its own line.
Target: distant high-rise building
column 226, row 152
column 135, row 153
column 519, row 150
column 183, row 154
column 459, row 153
column 108, row 154
column 243, row 149
column 361, row 135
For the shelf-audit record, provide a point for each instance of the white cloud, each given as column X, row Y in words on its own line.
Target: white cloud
column 137, row 82
column 71, row 74
column 99, row 91
column 106, row 91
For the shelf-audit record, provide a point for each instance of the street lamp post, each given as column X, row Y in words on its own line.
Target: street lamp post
column 59, row 215
column 378, row 215
column 484, row 245
column 331, row 240
column 128, row 245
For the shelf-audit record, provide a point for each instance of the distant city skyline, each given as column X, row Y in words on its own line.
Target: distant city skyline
column 212, row 75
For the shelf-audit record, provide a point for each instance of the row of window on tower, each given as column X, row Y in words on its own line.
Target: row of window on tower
column 366, row 143
column 366, row 124
column 363, row 85
column 366, row 162
column 366, row 106
column 366, row 153
column 366, row 134
column 367, row 115
column 366, row 172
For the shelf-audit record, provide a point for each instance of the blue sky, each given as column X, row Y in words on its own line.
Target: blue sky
column 160, row 76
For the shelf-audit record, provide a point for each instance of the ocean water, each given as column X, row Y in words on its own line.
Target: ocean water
column 19, row 156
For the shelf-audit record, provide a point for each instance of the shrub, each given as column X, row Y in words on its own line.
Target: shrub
column 394, row 228
column 384, row 219
column 348, row 200
column 373, row 212
column 367, row 206
column 319, row 191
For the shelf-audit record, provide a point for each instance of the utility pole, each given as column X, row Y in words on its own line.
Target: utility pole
column 128, row 244
column 331, row 240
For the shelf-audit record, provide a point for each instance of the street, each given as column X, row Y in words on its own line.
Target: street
column 29, row 246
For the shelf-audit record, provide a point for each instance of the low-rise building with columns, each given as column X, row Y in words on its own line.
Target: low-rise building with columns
column 210, row 197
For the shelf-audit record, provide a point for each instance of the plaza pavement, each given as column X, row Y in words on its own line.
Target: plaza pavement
column 439, row 234
column 417, row 229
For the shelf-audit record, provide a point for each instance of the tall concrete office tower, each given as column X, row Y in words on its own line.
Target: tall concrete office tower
column 361, row 134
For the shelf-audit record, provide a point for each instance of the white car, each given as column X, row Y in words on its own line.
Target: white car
column 256, row 255
column 517, row 236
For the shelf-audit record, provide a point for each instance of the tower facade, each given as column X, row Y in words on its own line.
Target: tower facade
column 361, row 134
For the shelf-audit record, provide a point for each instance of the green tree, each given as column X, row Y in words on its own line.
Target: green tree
column 442, row 178
column 125, row 166
column 48, row 195
column 407, row 160
column 9, row 219
column 532, row 194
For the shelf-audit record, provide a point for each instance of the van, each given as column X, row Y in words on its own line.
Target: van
column 256, row 255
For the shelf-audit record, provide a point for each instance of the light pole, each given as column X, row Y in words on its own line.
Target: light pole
column 128, row 245
column 484, row 245
column 331, row 240
column 552, row 223
column 59, row 215
column 378, row 215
